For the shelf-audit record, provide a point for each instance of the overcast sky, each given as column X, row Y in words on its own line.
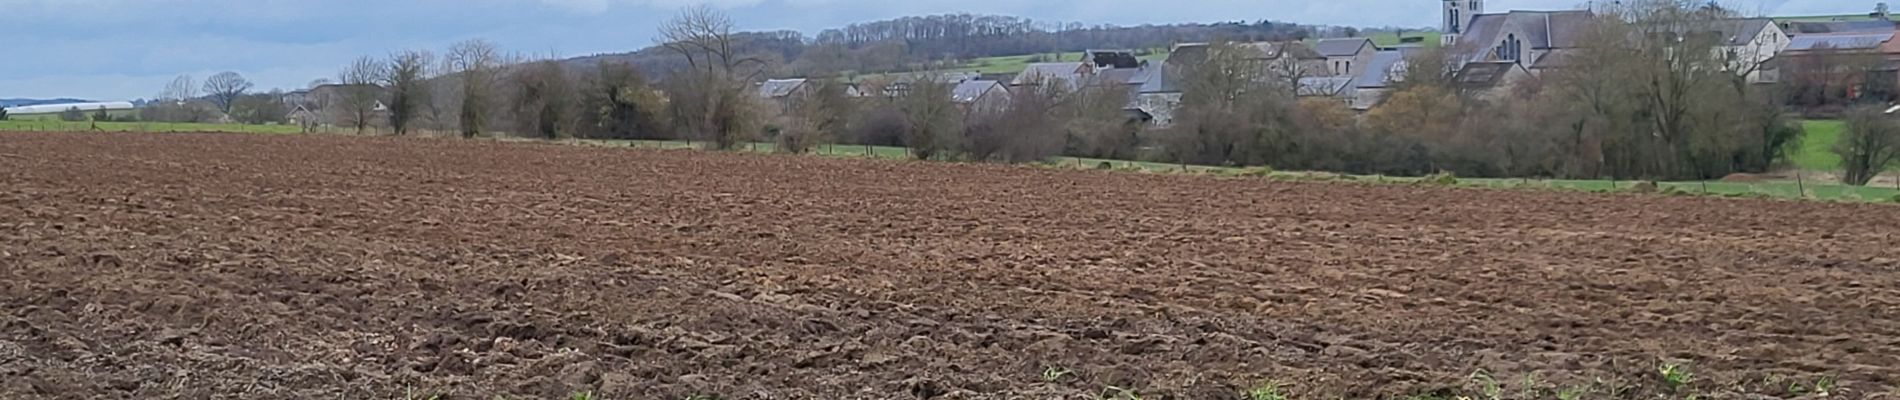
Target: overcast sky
column 126, row 49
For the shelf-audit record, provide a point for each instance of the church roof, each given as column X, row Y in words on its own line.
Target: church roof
column 1483, row 75
column 1542, row 30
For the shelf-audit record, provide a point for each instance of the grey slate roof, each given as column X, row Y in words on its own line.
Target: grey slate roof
column 1538, row 29
column 1342, row 47
column 1737, row 32
column 1380, row 71
column 1809, row 28
column 1154, row 78
column 1116, row 76
column 971, row 91
column 1483, row 75
column 1065, row 72
column 1194, row 53
column 1839, row 41
column 1324, row 86
column 778, row 88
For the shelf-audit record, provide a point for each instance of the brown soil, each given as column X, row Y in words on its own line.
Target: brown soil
column 219, row 266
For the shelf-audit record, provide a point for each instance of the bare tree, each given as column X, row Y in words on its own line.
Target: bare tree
column 181, row 89
column 1869, row 145
column 359, row 93
column 817, row 116
column 407, row 79
column 1234, row 110
column 709, row 99
column 476, row 65
column 225, row 88
column 931, row 119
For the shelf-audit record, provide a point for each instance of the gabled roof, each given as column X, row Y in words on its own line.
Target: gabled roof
column 1194, row 53
column 1839, row 41
column 1115, row 76
column 1342, row 47
column 1153, row 78
column 1324, row 86
column 1742, row 31
column 1069, row 73
column 778, row 88
column 1536, row 29
column 1483, row 75
column 971, row 91
column 1382, row 71
column 1559, row 58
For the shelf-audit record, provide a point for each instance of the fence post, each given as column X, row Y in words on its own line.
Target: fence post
column 1800, row 184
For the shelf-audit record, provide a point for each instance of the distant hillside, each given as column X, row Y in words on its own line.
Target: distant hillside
column 927, row 42
column 35, row 102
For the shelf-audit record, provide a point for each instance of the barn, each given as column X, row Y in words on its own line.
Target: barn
column 58, row 108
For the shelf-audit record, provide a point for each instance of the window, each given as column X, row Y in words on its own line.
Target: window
column 1454, row 21
column 1510, row 49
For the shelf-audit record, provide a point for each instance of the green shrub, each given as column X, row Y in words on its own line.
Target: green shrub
column 1256, row 172
column 1441, row 178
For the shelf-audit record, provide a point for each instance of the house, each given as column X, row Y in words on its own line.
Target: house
column 1750, row 45
column 302, row 116
column 1282, row 58
column 1069, row 74
column 1156, row 95
column 1385, row 70
column 900, row 84
column 981, row 96
column 331, row 102
column 781, row 94
column 1343, row 54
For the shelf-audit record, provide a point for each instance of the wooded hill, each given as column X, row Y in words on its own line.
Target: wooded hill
column 923, row 42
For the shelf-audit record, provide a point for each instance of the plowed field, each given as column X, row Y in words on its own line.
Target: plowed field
column 297, row 267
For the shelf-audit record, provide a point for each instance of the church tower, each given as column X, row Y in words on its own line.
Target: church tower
column 1457, row 15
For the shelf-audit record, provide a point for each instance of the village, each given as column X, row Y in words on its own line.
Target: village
column 1490, row 52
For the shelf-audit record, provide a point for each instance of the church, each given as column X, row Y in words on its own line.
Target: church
column 1532, row 42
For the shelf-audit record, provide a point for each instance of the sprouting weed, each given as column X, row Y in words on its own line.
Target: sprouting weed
column 1267, row 390
column 410, row 394
column 1116, row 393
column 1492, row 390
column 1824, row 386
column 1675, row 376
column 1570, row 393
column 581, row 396
column 1056, row 374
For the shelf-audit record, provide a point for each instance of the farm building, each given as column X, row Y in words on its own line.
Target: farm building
column 58, row 108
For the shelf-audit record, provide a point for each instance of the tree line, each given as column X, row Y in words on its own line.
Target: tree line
column 1641, row 100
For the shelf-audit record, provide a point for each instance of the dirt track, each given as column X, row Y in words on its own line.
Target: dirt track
column 213, row 266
